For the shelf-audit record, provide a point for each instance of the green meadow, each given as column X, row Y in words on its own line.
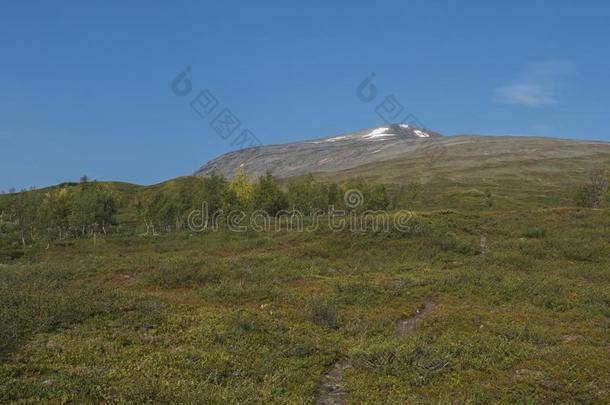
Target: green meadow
column 521, row 313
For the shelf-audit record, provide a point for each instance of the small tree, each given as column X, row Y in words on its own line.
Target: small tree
column 215, row 192
column 56, row 206
column 377, row 197
column 268, row 196
column 488, row 200
column 599, row 182
column 374, row 196
column 91, row 208
column 406, row 195
column 242, row 189
column 105, row 209
column 84, row 181
column 161, row 212
column 333, row 193
column 29, row 216
column 592, row 194
column 307, row 196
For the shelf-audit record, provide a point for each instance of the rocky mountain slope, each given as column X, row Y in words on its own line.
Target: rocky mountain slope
column 453, row 171
column 325, row 154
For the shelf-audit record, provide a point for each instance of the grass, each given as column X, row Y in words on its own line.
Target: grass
column 257, row 318
column 520, row 172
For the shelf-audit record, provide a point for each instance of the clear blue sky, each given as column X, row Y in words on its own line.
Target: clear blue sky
column 86, row 86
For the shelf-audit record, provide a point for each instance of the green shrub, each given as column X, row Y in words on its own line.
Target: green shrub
column 579, row 250
column 449, row 242
column 186, row 277
column 40, row 298
column 180, row 271
column 241, row 291
column 324, row 313
column 534, row 233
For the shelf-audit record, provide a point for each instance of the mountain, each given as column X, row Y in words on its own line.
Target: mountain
column 449, row 171
column 325, row 154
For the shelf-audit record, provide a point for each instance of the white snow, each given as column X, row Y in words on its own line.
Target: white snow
column 405, row 126
column 421, row 134
column 378, row 133
column 335, row 139
column 378, row 137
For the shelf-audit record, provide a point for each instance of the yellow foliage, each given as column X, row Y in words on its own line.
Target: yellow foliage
column 241, row 186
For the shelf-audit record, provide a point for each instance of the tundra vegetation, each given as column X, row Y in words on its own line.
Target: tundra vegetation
column 107, row 296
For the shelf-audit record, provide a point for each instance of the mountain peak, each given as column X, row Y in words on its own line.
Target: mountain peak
column 404, row 131
column 323, row 154
column 387, row 132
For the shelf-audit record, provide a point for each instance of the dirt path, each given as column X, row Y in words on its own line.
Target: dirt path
column 330, row 390
column 405, row 326
column 483, row 244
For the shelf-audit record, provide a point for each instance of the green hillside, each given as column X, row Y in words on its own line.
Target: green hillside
column 495, row 289
column 520, row 172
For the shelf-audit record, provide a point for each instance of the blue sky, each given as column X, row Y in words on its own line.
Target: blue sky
column 87, row 86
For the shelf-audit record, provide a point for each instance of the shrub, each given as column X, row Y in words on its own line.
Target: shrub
column 579, row 250
column 324, row 313
column 182, row 277
column 451, row 243
column 534, row 233
column 267, row 195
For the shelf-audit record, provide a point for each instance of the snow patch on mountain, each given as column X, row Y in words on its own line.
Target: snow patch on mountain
column 335, row 139
column 378, row 133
